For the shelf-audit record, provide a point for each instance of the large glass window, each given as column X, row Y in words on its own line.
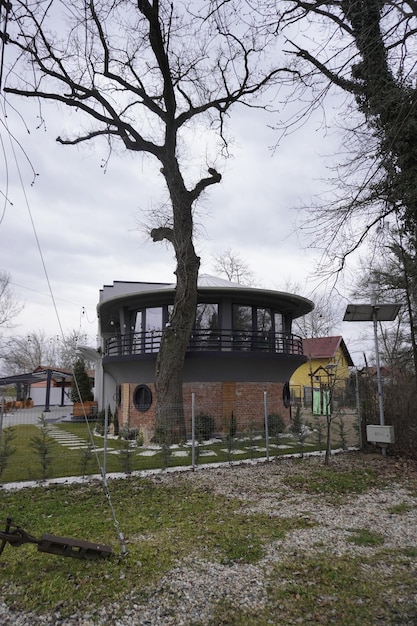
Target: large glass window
column 263, row 337
column 242, row 327
column 207, row 317
column 136, row 327
column 153, row 319
column 263, row 320
column 242, row 317
column 279, row 328
column 278, row 322
column 206, row 336
column 254, row 328
column 137, row 322
column 147, row 326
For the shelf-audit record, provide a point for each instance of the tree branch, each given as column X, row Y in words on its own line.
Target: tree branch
column 202, row 184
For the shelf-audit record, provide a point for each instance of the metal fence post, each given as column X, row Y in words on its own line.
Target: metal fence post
column 106, row 426
column 266, row 425
column 358, row 408
column 1, row 418
column 193, row 430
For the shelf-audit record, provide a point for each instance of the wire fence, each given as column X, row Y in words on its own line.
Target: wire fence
column 36, row 445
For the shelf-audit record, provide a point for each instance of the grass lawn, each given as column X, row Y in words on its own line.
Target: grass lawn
column 78, row 458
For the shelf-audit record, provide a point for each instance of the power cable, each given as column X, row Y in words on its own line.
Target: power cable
column 51, row 293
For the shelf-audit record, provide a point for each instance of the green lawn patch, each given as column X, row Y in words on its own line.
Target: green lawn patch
column 329, row 481
column 366, row 537
column 65, row 460
column 161, row 525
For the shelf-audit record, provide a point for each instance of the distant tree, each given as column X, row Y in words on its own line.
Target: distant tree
column 81, row 388
column 231, row 265
column 68, row 349
column 324, row 319
column 26, row 353
column 391, row 276
column 10, row 307
column 22, row 354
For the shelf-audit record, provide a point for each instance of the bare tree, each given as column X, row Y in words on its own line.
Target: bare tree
column 230, row 264
column 365, row 52
column 26, row 353
column 22, row 354
column 67, row 353
column 10, row 306
column 391, row 275
column 145, row 74
column 324, row 319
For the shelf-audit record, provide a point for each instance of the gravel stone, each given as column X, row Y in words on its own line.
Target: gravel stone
column 186, row 595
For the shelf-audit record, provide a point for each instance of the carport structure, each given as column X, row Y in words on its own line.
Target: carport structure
column 41, row 375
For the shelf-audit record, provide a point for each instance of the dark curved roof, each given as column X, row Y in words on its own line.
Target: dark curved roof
column 137, row 294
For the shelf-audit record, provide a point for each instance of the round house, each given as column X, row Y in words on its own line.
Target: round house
column 241, row 352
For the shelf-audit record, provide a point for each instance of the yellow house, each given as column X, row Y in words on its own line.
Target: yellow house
column 327, row 367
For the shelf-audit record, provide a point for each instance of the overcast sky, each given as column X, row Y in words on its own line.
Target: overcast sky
column 80, row 226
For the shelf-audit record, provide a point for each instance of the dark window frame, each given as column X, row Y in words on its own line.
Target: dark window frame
column 142, row 398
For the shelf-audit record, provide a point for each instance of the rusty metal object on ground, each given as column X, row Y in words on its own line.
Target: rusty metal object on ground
column 52, row 544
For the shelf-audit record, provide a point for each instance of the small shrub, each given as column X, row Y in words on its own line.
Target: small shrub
column 129, row 433
column 140, row 439
column 6, row 449
column 166, row 455
column 109, row 416
column 342, row 433
column 318, row 430
column 43, row 445
column 250, row 434
column 116, row 423
column 275, row 424
column 299, row 431
column 204, row 426
column 232, row 425
column 125, row 456
column 81, row 388
column 99, row 427
column 86, row 458
column 296, row 423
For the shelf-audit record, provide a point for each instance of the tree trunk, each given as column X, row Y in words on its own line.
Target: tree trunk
column 170, row 422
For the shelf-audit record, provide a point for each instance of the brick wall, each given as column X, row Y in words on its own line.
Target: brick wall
column 220, row 400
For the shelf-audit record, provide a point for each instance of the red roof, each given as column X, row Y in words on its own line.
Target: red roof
column 325, row 348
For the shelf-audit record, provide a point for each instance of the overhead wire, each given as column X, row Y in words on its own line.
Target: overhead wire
column 50, row 289
column 52, row 295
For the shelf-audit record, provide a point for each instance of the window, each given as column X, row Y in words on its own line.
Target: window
column 263, row 320
column 205, row 334
column 242, row 327
column 153, row 319
column 242, row 317
column 153, row 328
column 207, row 317
column 142, row 398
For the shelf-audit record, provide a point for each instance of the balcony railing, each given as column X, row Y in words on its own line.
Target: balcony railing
column 207, row 340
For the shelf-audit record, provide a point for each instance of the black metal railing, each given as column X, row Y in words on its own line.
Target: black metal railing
column 207, row 340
